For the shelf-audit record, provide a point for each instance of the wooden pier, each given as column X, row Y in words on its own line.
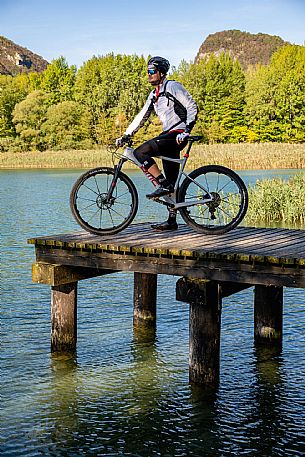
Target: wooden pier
column 210, row 268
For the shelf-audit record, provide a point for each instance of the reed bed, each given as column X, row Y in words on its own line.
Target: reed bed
column 237, row 156
column 272, row 201
column 56, row 159
column 256, row 156
column 277, row 201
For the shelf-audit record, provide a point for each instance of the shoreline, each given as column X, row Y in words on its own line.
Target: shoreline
column 241, row 156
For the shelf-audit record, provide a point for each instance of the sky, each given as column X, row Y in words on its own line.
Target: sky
column 175, row 29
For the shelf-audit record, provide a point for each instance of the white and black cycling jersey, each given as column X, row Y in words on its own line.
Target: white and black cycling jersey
column 173, row 105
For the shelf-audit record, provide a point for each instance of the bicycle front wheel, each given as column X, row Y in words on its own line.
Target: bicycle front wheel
column 229, row 199
column 92, row 208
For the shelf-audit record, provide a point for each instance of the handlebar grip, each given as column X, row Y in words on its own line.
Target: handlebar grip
column 195, row 138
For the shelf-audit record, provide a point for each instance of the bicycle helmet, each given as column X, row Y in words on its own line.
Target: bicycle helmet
column 159, row 63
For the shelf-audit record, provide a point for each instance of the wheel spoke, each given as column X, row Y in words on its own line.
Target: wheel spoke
column 91, row 208
column 84, row 208
column 227, row 205
column 89, row 188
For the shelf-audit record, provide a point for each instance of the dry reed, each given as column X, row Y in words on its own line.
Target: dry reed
column 236, row 156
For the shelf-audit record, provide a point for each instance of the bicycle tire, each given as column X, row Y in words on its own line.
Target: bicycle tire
column 93, row 212
column 229, row 205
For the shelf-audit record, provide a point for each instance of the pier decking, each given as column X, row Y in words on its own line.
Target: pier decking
column 210, row 266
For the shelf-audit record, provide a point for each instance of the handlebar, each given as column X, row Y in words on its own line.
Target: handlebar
column 195, row 138
column 190, row 139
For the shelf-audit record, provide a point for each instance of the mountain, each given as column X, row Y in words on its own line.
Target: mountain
column 248, row 48
column 15, row 59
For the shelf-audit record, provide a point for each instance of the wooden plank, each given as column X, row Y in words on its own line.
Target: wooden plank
column 200, row 267
column 279, row 252
column 195, row 240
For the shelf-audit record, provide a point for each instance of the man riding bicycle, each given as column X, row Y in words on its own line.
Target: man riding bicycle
column 177, row 112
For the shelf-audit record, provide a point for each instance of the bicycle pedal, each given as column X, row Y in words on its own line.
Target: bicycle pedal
column 152, row 198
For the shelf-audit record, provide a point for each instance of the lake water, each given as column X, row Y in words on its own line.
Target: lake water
column 118, row 396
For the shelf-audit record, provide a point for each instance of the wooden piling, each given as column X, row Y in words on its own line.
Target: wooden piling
column 145, row 300
column 268, row 314
column 211, row 267
column 204, row 330
column 204, row 354
column 64, row 317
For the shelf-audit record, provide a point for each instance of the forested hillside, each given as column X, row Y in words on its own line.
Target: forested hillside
column 248, row 48
column 63, row 107
column 15, row 59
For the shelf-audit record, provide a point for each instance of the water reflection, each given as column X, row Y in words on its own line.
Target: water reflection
column 203, row 424
column 144, row 333
column 268, row 397
column 125, row 392
column 63, row 401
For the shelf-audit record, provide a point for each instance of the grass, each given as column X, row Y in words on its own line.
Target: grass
column 266, row 156
column 237, row 156
column 270, row 201
column 277, row 201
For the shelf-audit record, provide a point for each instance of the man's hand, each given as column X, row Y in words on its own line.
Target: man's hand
column 182, row 137
column 122, row 140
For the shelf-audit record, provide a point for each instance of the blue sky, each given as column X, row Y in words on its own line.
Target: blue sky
column 79, row 29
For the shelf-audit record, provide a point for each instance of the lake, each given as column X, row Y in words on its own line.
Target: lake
column 118, row 396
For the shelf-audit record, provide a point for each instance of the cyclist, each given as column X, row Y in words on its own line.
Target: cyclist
column 177, row 112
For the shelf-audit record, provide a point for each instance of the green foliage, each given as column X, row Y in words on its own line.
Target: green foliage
column 277, row 200
column 28, row 117
column 218, row 85
column 113, row 89
column 275, row 97
column 62, row 108
column 62, row 128
column 58, row 81
column 12, row 91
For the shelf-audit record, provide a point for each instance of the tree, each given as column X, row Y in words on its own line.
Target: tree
column 28, row 117
column 12, row 91
column 275, row 96
column 58, row 81
column 217, row 84
column 63, row 127
column 113, row 89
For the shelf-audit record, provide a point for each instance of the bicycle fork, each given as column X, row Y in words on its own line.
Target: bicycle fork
column 114, row 180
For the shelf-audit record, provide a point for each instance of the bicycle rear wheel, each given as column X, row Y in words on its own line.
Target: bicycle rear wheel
column 229, row 204
column 94, row 211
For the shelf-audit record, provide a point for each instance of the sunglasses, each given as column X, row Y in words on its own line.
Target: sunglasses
column 152, row 72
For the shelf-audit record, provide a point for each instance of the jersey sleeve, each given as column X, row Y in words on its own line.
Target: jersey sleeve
column 141, row 117
column 185, row 98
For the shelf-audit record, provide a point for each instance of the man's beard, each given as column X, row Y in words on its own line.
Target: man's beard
column 155, row 83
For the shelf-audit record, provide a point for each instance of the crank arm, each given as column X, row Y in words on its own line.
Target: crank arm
column 163, row 202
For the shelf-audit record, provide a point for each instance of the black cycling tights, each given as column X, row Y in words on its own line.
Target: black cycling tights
column 164, row 144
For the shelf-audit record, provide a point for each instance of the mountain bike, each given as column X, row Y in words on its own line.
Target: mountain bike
column 211, row 199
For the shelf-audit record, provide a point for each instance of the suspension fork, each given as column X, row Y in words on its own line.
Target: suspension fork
column 117, row 170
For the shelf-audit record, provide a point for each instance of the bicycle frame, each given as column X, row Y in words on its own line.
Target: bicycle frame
column 210, row 199
column 166, row 200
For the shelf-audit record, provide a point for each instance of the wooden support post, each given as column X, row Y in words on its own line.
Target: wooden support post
column 268, row 314
column 145, row 299
column 205, row 322
column 54, row 275
column 205, row 299
column 64, row 317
